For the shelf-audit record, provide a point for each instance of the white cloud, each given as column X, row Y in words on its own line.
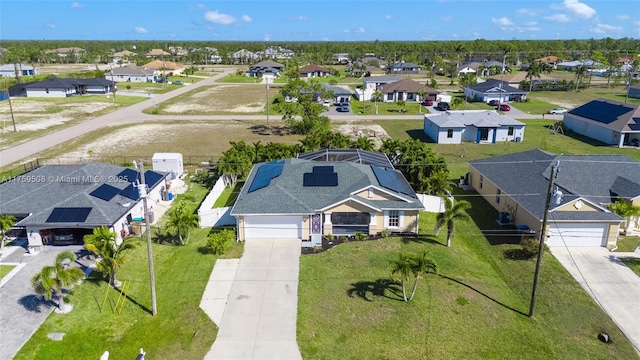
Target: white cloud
column 50, row 26
column 325, row 39
column 172, row 35
column 455, row 35
column 267, row 37
column 218, row 18
column 300, row 17
column 527, row 12
column 447, row 18
column 503, row 21
column 557, row 18
column 605, row 29
column 246, row 18
column 388, row 17
column 76, row 5
column 140, row 30
column 575, row 7
column 359, row 30
column 346, row 31
column 636, row 23
column 198, row 7
column 623, row 17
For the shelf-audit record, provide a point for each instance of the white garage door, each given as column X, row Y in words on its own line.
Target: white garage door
column 577, row 234
column 273, row 227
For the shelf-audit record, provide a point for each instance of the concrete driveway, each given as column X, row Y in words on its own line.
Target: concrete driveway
column 259, row 319
column 609, row 282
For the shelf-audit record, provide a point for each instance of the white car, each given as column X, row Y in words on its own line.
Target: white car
column 557, row 111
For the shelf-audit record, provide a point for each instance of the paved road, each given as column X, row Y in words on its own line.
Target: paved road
column 614, row 286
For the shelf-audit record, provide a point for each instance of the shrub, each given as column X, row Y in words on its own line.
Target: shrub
column 128, row 87
column 360, row 236
column 530, row 247
column 384, row 233
column 219, row 242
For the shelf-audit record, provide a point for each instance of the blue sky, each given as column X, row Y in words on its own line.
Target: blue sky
column 320, row 20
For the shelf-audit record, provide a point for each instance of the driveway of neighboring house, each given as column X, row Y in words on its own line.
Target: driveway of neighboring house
column 22, row 311
column 614, row 286
column 259, row 319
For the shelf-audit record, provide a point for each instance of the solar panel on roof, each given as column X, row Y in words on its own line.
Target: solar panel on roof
column 152, row 177
column 105, row 192
column 130, row 192
column 265, row 173
column 392, row 180
column 323, row 169
column 601, row 112
column 129, row 175
column 320, row 179
column 68, row 214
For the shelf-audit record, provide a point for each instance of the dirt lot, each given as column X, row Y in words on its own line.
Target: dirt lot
column 224, row 99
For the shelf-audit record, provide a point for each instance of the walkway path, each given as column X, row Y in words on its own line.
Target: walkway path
column 259, row 319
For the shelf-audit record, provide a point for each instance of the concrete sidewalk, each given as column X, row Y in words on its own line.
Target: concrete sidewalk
column 614, row 286
column 259, row 320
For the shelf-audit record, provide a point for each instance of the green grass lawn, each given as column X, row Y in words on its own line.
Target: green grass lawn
column 385, row 108
column 475, row 308
column 534, row 107
column 181, row 330
column 234, row 78
column 5, row 269
column 633, row 264
column 229, row 195
column 185, row 79
column 628, row 243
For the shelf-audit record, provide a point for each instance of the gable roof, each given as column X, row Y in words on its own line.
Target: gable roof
column 609, row 113
column 70, row 186
column 160, row 64
column 381, row 79
column 403, row 65
column 525, row 178
column 66, row 83
column 268, row 63
column 550, row 58
column 124, row 53
column 407, row 85
column 337, row 90
column 132, row 69
column 285, row 193
column 478, row 118
column 313, row 68
column 493, row 86
column 157, row 52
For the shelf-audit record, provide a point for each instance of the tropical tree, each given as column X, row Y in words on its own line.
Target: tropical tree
column 581, row 71
column 421, row 263
column 534, row 72
column 457, row 103
column 364, row 143
column 420, row 100
column 377, row 95
column 626, row 210
column 400, row 104
column 452, row 213
column 57, row 278
column 102, row 243
column 181, row 220
column 6, row 223
column 401, row 266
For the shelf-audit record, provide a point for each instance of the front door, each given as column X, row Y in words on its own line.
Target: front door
column 483, row 134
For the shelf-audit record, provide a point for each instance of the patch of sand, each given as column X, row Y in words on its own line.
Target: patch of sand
column 375, row 132
column 31, row 114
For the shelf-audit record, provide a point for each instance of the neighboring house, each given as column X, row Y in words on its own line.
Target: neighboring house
column 162, row 66
column 132, row 73
column 372, row 61
column 572, row 65
column 275, row 53
column 9, row 70
column 154, row 53
column 494, row 90
column 404, row 68
column 479, row 126
column 549, row 60
column 266, row 67
column 370, row 85
column 367, row 71
column 516, row 78
column 65, row 202
column 406, row 90
column 313, row 70
column 516, row 186
column 342, row 58
column 178, row 50
column 306, row 199
column 65, row 87
column 123, row 57
column 611, row 122
column 340, row 94
column 497, row 64
column 244, row 56
column 634, row 91
column 64, row 52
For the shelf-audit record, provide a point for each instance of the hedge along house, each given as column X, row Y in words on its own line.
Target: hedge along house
column 306, row 199
column 62, row 203
column 516, row 186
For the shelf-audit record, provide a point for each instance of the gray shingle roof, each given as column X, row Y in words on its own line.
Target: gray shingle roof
column 461, row 119
column 52, row 186
column 381, row 79
column 609, row 113
column 337, row 90
column 492, row 86
column 525, row 178
column 286, row 194
column 132, row 70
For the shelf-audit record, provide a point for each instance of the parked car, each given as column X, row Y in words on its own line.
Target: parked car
column 443, row 106
column 557, row 111
column 177, row 82
column 427, row 102
column 503, row 107
column 494, row 103
column 342, row 109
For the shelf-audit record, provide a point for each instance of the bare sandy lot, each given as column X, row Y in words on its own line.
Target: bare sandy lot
column 33, row 115
column 219, row 100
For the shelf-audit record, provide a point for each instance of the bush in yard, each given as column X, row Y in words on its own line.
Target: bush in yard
column 360, row 236
column 219, row 242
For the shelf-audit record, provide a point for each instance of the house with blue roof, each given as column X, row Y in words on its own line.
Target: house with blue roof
column 609, row 121
column 516, row 186
column 310, row 197
column 479, row 126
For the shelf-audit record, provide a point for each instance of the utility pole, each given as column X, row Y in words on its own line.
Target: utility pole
column 267, row 79
column 113, row 85
column 543, row 235
column 504, row 59
column 13, row 119
column 142, row 191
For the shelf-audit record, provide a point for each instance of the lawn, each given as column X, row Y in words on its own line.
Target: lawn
column 571, row 99
column 5, row 269
column 628, row 243
column 185, row 79
column 235, row 78
column 475, row 308
column 150, row 88
column 181, row 330
column 632, row 263
column 229, row 195
column 385, row 108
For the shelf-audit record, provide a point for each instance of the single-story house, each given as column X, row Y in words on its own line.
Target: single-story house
column 367, row 71
column 572, row 65
column 313, row 70
column 516, row 186
column 404, row 68
column 65, row 51
column 123, row 57
column 157, row 52
column 306, row 199
column 132, row 73
column 407, row 90
column 62, row 203
column 494, row 90
column 55, row 87
column 470, row 68
column 340, row 94
column 516, row 78
column 162, row 66
column 550, row 60
column 609, row 121
column 244, row 56
column 266, row 67
column 9, row 70
column 634, row 91
column 479, row 126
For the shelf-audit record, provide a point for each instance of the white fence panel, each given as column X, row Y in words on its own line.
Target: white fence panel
column 434, row 204
column 216, row 217
column 208, row 215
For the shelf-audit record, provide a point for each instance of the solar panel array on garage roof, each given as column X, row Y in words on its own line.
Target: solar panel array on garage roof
column 392, row 180
column 265, row 173
column 68, row 215
column 601, row 111
column 320, row 179
column 105, row 192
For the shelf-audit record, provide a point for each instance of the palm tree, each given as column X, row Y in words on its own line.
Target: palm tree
column 626, row 210
column 102, row 243
column 457, row 103
column 420, row 100
column 56, row 278
column 401, row 104
column 376, row 95
column 580, row 73
column 402, row 266
column 6, row 223
column 534, row 72
column 451, row 213
column 420, row 264
column 181, row 221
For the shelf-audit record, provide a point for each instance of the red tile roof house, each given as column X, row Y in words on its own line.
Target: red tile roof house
column 313, row 70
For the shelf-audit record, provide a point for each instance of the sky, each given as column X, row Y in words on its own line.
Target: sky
column 319, row 20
